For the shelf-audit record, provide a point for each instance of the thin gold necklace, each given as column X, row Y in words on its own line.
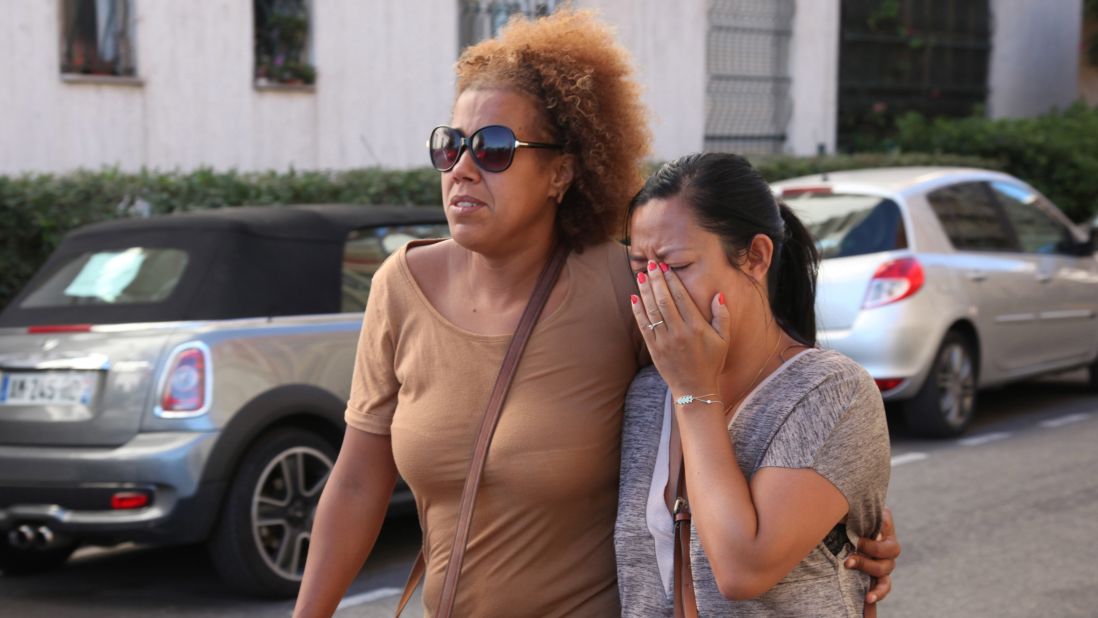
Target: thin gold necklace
column 755, row 380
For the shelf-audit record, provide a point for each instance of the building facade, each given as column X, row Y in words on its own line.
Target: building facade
column 254, row 85
column 1088, row 65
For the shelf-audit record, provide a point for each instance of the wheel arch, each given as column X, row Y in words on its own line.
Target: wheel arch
column 923, row 412
column 300, row 406
column 968, row 330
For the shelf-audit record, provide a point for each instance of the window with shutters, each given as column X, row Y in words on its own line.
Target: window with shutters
column 283, row 43
column 97, row 37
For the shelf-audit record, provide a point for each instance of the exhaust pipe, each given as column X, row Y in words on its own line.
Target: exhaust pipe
column 21, row 537
column 44, row 537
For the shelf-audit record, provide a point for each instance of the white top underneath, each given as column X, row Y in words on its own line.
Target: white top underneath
column 660, row 522
column 659, row 519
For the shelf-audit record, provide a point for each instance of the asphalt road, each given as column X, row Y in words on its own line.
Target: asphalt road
column 1003, row 522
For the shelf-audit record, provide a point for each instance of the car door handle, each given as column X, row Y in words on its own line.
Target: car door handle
column 977, row 275
column 1044, row 278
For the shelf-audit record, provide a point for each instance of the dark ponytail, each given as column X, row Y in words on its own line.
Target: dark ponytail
column 792, row 279
column 731, row 200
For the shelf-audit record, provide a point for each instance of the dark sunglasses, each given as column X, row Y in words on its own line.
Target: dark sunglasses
column 493, row 147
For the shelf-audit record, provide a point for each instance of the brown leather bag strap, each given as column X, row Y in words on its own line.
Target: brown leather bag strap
column 416, row 574
column 686, row 605
column 542, row 289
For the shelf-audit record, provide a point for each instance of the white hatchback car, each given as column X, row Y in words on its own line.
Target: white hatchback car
column 941, row 281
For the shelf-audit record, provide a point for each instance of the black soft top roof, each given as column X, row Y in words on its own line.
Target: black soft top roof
column 247, row 261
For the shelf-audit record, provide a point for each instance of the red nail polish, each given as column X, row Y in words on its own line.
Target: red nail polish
column 651, row 265
column 664, row 267
column 641, row 278
column 720, row 298
column 634, row 298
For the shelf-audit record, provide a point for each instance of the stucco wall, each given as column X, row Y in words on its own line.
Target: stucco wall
column 667, row 42
column 38, row 130
column 1034, row 56
column 814, row 70
column 385, row 78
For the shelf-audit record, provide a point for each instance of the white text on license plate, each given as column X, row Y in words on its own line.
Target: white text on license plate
column 47, row 387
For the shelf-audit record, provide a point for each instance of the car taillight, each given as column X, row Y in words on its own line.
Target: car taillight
column 887, row 384
column 125, row 500
column 894, row 281
column 59, row 328
column 791, row 192
column 186, row 383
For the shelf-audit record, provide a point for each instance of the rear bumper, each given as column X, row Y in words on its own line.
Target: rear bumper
column 895, row 341
column 69, row 489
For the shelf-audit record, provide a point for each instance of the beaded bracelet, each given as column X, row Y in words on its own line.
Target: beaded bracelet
column 683, row 400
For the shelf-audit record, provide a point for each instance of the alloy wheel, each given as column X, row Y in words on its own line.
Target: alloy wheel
column 284, row 506
column 956, row 384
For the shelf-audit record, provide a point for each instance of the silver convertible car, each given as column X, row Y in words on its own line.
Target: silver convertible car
column 183, row 378
column 942, row 281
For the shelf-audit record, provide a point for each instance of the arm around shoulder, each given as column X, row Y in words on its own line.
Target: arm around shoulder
column 828, row 462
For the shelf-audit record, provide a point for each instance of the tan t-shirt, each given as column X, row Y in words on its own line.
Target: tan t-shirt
column 542, row 536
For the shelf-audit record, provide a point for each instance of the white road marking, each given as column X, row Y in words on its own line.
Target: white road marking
column 984, row 439
column 900, row 460
column 1065, row 420
column 366, row 597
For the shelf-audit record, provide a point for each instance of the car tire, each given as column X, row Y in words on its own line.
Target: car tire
column 946, row 403
column 261, row 539
column 15, row 561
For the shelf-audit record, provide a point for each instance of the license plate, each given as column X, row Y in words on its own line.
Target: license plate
column 47, row 388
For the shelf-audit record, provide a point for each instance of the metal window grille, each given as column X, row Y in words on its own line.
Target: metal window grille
column 483, row 19
column 283, row 42
column 97, row 37
column 896, row 56
column 748, row 104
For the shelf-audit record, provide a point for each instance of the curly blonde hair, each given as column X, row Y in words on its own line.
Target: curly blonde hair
column 582, row 78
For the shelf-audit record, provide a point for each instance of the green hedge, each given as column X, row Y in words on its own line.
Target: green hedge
column 37, row 210
column 1057, row 153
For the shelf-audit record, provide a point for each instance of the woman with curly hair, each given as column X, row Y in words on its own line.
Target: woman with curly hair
column 545, row 147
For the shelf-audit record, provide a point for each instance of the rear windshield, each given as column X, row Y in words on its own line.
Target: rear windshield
column 844, row 225
column 126, row 276
column 367, row 248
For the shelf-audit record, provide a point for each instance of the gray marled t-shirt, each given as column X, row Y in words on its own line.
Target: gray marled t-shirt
column 821, row 411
